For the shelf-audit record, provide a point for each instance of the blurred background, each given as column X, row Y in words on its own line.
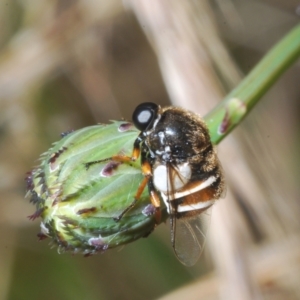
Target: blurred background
column 67, row 64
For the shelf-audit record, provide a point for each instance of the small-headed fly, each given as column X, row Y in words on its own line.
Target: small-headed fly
column 180, row 166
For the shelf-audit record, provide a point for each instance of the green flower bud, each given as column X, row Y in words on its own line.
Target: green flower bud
column 78, row 204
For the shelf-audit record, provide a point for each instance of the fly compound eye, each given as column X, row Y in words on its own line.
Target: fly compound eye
column 144, row 115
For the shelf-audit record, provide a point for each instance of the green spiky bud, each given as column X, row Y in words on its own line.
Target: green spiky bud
column 78, row 204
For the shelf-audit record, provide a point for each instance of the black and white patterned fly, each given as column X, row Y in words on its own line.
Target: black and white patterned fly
column 180, row 167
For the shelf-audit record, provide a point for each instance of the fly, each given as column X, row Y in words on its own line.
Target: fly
column 180, row 167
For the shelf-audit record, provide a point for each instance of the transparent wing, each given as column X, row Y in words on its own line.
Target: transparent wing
column 188, row 236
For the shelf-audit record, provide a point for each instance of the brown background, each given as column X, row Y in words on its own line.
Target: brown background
column 67, row 64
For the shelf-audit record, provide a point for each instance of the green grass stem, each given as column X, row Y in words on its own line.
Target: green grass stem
column 238, row 103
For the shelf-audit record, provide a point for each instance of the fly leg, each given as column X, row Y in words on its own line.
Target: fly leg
column 136, row 199
column 121, row 158
column 155, row 200
column 147, row 172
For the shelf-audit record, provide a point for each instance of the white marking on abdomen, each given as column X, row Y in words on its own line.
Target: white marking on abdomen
column 195, row 189
column 189, row 207
column 180, row 176
column 194, row 206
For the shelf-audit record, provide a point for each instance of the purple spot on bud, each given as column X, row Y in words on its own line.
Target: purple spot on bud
column 67, row 221
column 225, row 123
column 41, row 236
column 36, row 214
column 235, row 110
column 109, row 168
column 54, row 156
column 98, row 243
column 149, row 210
column 86, row 211
column 125, row 127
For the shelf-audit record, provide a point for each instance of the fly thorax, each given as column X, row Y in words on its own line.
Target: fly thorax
column 156, row 142
column 171, row 178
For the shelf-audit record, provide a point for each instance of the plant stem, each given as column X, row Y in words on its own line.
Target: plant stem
column 237, row 104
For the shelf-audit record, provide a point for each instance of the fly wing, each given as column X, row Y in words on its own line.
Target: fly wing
column 189, row 235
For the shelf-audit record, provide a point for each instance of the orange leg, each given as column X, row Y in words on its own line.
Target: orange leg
column 155, row 200
column 147, row 172
column 136, row 198
column 121, row 158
